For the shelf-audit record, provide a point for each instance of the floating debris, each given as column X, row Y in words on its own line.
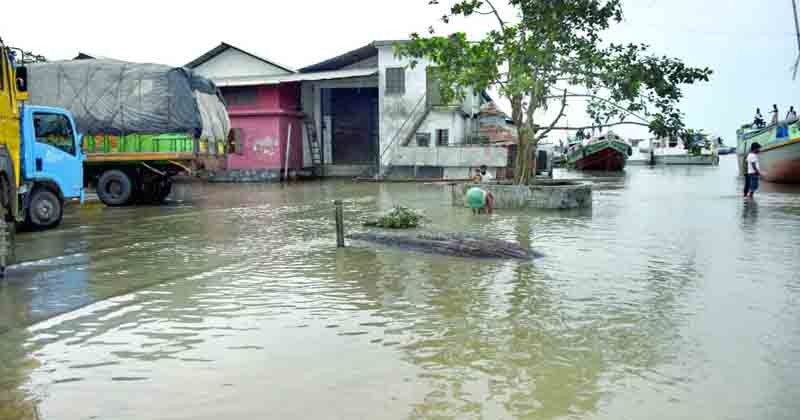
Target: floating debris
column 398, row 218
column 450, row 244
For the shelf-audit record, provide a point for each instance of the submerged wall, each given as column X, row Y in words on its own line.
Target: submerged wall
column 546, row 194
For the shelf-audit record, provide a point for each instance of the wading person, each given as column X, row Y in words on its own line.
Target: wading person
column 480, row 201
column 485, row 175
column 753, row 172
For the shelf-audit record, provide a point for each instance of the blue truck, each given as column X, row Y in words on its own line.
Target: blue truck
column 41, row 161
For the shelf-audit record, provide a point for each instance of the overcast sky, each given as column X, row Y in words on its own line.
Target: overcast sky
column 749, row 44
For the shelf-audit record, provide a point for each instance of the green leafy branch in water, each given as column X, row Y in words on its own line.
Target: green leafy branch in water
column 398, row 218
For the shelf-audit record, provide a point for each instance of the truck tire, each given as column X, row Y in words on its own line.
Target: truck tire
column 163, row 191
column 115, row 188
column 155, row 191
column 45, row 210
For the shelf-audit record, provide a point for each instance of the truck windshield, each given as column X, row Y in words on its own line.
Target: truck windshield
column 54, row 130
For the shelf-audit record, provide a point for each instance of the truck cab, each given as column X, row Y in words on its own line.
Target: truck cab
column 41, row 162
column 51, row 162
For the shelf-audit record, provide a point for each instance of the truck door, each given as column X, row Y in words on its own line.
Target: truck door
column 57, row 153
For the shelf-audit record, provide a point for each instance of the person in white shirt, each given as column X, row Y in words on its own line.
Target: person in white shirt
column 775, row 114
column 791, row 115
column 753, row 171
column 758, row 120
column 485, row 175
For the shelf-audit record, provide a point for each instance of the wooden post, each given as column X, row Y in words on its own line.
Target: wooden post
column 339, row 224
column 286, row 159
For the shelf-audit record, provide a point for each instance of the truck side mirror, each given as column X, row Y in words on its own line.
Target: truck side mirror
column 22, row 79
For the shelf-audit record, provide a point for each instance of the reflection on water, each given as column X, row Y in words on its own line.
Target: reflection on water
column 671, row 298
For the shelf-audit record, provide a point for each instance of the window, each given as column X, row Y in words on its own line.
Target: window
column 442, row 137
column 235, row 141
column 240, row 96
column 2, row 70
column 395, row 81
column 54, row 130
column 423, row 139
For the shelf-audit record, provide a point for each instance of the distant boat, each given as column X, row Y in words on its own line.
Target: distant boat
column 666, row 152
column 608, row 152
column 722, row 149
column 780, row 150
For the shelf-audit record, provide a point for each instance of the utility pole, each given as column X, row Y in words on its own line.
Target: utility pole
column 797, row 31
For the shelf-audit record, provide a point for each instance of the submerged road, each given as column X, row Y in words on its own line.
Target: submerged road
column 670, row 299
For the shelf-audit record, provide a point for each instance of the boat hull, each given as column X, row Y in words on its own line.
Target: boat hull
column 607, row 159
column 607, row 156
column 780, row 151
column 780, row 163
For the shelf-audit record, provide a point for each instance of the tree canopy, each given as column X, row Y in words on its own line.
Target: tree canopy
column 552, row 51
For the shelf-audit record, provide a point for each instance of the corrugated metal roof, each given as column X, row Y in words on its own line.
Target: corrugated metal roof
column 297, row 77
column 350, row 57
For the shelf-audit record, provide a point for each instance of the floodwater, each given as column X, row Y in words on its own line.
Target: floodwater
column 670, row 299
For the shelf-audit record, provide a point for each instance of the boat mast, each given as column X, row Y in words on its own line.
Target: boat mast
column 797, row 30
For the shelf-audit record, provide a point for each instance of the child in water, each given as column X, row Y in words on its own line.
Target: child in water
column 480, row 201
column 753, row 171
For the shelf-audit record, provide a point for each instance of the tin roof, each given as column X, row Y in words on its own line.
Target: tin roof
column 350, row 57
column 296, row 77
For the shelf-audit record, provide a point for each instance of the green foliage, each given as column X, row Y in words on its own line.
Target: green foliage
column 398, row 218
column 550, row 48
column 694, row 141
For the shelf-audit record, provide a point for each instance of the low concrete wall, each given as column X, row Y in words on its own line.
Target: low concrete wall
column 451, row 156
column 546, row 194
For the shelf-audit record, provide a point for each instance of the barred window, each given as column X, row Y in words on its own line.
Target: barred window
column 442, row 137
column 395, row 81
column 423, row 139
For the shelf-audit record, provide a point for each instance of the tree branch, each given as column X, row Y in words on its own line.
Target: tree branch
column 602, row 125
column 556, row 120
column 497, row 15
column 578, row 95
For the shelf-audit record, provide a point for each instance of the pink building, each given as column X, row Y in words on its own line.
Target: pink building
column 263, row 109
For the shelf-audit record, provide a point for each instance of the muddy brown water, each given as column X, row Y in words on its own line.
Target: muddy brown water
column 670, row 299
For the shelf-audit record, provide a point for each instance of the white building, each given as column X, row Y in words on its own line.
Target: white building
column 373, row 113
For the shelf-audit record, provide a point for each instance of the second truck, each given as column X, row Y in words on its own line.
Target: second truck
column 142, row 123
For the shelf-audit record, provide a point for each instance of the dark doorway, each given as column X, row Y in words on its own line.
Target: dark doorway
column 354, row 135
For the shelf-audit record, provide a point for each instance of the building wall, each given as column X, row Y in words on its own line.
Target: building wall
column 444, row 120
column 398, row 112
column 265, row 129
column 233, row 63
column 311, row 93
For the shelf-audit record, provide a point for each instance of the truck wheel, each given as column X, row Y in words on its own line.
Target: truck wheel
column 115, row 188
column 163, row 191
column 155, row 192
column 45, row 210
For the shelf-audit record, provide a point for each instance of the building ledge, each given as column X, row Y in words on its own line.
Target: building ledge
column 265, row 113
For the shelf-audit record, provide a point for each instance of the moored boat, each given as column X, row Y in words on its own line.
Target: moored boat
column 608, row 152
column 780, row 150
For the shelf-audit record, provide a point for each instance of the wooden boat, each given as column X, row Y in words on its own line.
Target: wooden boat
column 608, row 152
column 780, row 150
